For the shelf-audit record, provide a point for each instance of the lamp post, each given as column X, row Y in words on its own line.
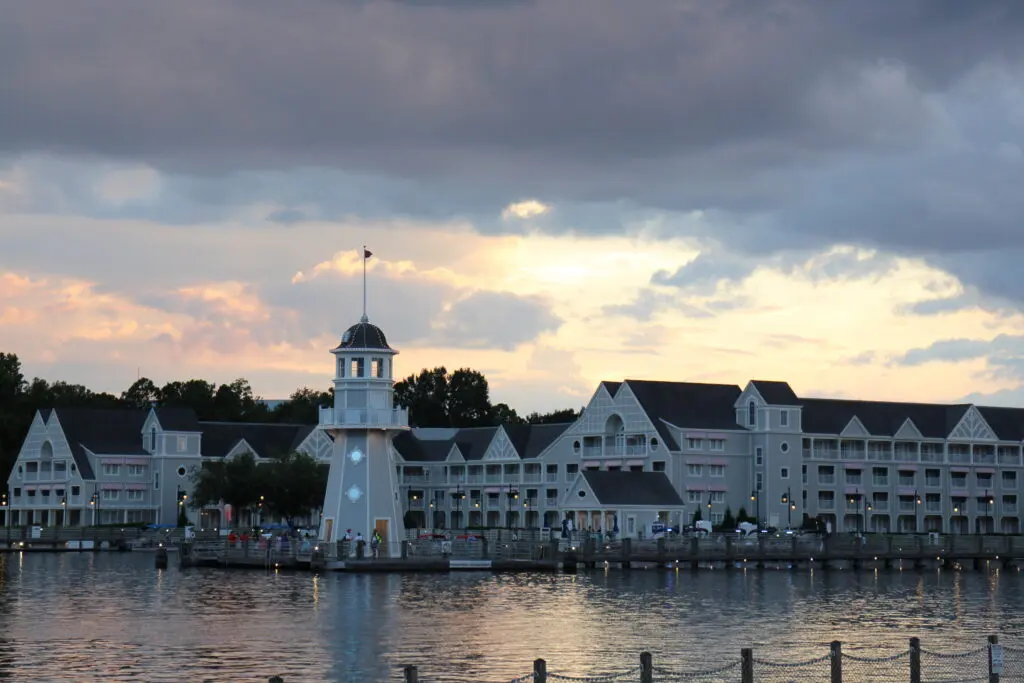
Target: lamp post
column 989, row 500
column 513, row 494
column 182, row 498
column 94, row 502
column 787, row 500
column 457, row 497
column 6, row 511
column 709, row 511
column 756, row 499
column 259, row 514
column 64, row 510
column 917, row 510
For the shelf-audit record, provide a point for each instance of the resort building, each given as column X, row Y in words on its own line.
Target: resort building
column 856, row 465
column 641, row 453
column 81, row 467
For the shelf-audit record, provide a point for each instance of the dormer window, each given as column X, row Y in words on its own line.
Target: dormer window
column 152, row 440
column 752, row 414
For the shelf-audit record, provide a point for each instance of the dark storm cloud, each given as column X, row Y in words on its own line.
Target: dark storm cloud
column 789, row 125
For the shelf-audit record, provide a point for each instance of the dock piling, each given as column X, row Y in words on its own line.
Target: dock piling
column 411, row 675
column 540, row 671
column 646, row 668
column 747, row 665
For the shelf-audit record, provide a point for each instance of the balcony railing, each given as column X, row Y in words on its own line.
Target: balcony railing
column 933, row 482
column 346, row 417
column 551, row 502
column 551, row 477
column 826, row 479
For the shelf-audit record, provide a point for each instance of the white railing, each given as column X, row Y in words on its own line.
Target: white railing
column 345, row 417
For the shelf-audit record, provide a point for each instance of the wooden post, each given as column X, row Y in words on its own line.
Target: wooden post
column 540, row 671
column 411, row 675
column 915, row 660
column 747, row 665
column 837, row 662
column 646, row 668
column 993, row 671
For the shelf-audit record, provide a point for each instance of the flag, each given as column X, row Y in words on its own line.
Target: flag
column 366, row 253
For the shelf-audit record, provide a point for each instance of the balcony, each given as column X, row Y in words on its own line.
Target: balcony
column 826, row 504
column 551, row 502
column 933, row 482
column 880, row 481
column 984, row 458
column 826, row 479
column 372, row 418
column 931, row 507
column 551, row 478
column 531, row 478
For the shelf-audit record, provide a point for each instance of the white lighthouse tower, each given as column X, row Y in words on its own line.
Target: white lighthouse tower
column 362, row 487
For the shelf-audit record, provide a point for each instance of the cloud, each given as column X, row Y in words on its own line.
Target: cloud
column 497, row 320
column 529, row 208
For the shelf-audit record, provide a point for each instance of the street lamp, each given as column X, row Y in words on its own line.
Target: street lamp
column 787, row 500
column 989, row 500
column 757, row 507
column 917, row 510
column 64, row 510
column 3, row 504
column 458, row 497
column 513, row 494
column 94, row 502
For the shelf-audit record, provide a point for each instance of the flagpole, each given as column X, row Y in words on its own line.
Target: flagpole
column 365, row 319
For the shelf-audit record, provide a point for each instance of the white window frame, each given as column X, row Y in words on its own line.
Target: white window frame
column 695, row 444
column 759, row 456
column 716, row 471
column 694, row 470
column 716, row 444
column 784, row 418
column 784, row 473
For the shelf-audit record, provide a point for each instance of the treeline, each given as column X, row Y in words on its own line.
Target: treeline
column 435, row 398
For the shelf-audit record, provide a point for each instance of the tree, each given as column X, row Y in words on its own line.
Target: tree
column 426, row 397
column 303, row 406
column 742, row 516
column 295, row 485
column 728, row 521
column 196, row 394
column 469, row 399
column 235, row 402
column 554, row 417
column 141, row 394
column 502, row 414
column 697, row 516
column 12, row 382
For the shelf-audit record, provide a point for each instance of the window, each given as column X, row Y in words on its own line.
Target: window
column 693, row 497
column 341, row 367
column 110, row 495
column 933, row 478
column 759, row 478
column 784, row 418
column 958, row 480
column 717, row 517
column 182, row 471
column 75, row 490
column 136, row 470
column 182, row 444
column 654, row 444
column 135, row 495
column 695, row 470
column 984, row 480
column 17, row 492
column 717, row 497
column 880, row 476
column 716, row 444
column 759, row 456
column 751, row 414
column 156, row 481
column 658, row 466
column 356, row 367
column 716, row 470
column 1009, row 480
column 152, row 439
column 784, row 447
column 907, row 477
column 826, row 474
column 571, row 471
column 111, row 470
column 695, row 444
column 784, row 473
column 636, row 468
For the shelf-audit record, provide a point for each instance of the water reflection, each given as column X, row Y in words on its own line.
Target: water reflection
column 76, row 617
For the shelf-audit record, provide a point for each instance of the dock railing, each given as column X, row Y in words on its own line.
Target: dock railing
column 917, row 664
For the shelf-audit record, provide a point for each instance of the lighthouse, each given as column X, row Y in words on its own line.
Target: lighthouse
column 362, row 487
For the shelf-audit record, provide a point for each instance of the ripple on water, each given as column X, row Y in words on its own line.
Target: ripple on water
column 80, row 617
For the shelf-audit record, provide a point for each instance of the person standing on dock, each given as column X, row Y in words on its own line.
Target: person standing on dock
column 375, row 544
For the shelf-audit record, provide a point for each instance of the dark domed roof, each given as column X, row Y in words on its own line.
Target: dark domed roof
column 364, row 335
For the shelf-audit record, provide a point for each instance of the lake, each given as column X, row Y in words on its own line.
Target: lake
column 113, row 617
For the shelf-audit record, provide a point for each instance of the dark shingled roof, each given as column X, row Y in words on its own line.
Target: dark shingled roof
column 267, row 440
column 880, row 418
column 686, row 404
column 473, row 442
column 1007, row 423
column 177, row 419
column 363, row 335
column 632, row 488
column 103, row 431
column 612, row 387
column 776, row 393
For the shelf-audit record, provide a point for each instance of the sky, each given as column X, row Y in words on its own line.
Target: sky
column 555, row 193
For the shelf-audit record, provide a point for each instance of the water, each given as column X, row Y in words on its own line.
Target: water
column 83, row 617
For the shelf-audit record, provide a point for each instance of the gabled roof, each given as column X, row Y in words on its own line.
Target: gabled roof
column 632, row 488
column 434, row 445
column 530, row 440
column 103, row 431
column 267, row 440
column 611, row 387
column 880, row 418
column 177, row 419
column 686, row 404
column 1007, row 423
column 776, row 393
